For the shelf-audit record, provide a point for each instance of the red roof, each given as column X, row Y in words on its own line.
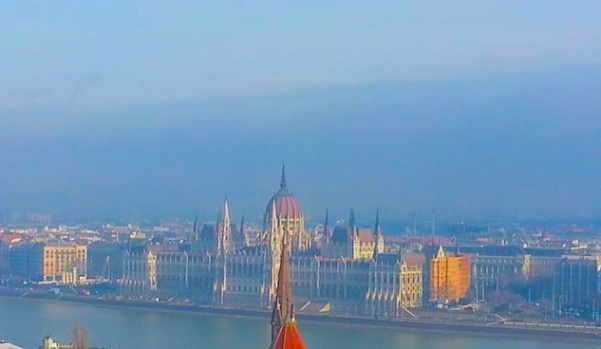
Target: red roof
column 289, row 337
column 414, row 259
column 10, row 238
column 365, row 236
column 286, row 206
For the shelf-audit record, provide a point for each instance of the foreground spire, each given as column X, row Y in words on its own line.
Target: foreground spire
column 283, row 294
column 284, row 332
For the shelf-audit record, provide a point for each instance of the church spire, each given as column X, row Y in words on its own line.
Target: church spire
column 283, row 296
column 283, row 180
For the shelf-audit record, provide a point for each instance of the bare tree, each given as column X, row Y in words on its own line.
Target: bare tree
column 80, row 337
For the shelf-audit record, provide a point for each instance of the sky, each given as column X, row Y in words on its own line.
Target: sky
column 161, row 109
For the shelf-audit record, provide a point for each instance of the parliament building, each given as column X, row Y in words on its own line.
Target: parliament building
column 348, row 270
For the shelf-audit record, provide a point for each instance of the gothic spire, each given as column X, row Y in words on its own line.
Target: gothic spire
column 242, row 235
column 377, row 236
column 226, row 210
column 352, row 225
column 283, row 180
column 194, row 229
column 326, row 235
column 225, row 231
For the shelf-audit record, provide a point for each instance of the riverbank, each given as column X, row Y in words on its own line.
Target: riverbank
column 510, row 328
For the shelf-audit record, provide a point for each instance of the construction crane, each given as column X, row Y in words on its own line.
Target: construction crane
column 105, row 274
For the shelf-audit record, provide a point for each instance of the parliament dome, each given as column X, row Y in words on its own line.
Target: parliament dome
column 286, row 205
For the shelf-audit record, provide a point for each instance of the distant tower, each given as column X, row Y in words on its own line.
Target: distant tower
column 353, row 236
column 242, row 240
column 224, row 247
column 193, row 234
column 326, row 234
column 223, row 229
column 377, row 237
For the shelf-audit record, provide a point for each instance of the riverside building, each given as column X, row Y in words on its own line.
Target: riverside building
column 361, row 279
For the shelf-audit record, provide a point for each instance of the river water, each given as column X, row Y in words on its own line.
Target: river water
column 26, row 322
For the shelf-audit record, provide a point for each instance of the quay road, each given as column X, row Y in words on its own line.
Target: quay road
column 426, row 322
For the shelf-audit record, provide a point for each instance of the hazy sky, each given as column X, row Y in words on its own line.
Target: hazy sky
column 148, row 108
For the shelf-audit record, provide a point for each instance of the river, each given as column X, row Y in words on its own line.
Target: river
column 26, row 322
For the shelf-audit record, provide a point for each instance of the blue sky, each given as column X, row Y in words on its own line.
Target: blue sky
column 475, row 107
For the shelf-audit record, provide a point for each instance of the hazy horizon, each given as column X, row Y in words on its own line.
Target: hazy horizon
column 476, row 109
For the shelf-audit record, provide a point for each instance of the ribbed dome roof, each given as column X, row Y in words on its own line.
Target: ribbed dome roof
column 286, row 205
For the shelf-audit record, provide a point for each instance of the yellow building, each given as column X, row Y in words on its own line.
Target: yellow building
column 449, row 277
column 411, row 283
column 64, row 263
column 394, row 284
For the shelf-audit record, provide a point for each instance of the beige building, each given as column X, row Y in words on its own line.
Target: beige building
column 541, row 267
column 64, row 263
column 395, row 283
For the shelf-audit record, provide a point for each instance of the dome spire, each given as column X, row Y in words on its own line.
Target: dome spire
column 283, row 180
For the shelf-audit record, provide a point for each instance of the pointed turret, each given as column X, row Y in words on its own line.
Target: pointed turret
column 226, row 229
column 377, row 236
column 440, row 253
column 242, row 237
column 352, row 226
column 226, row 211
column 326, row 234
column 283, row 295
column 195, row 226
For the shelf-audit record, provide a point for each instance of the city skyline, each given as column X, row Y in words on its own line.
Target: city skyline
column 162, row 110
